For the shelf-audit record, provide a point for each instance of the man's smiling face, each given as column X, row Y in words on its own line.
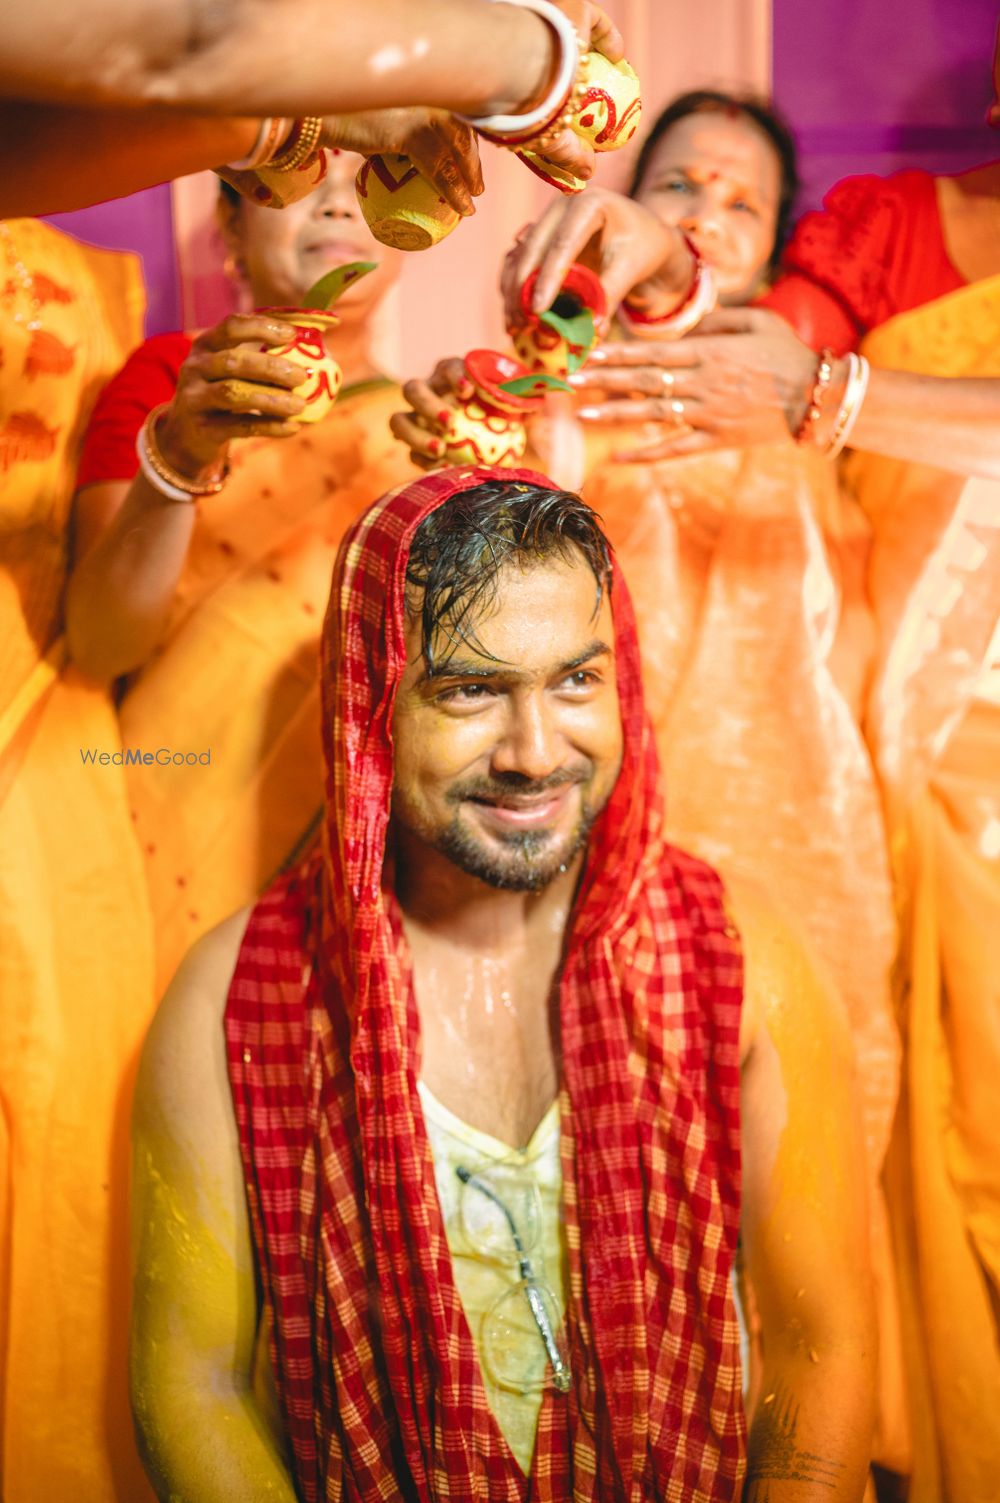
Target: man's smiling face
column 507, row 752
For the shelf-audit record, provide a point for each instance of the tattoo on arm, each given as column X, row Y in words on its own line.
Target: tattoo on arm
column 775, row 1455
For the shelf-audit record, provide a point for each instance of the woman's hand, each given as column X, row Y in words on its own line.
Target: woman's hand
column 433, row 403
column 743, row 379
column 594, row 27
column 228, row 388
column 615, row 236
column 441, row 147
column 597, row 33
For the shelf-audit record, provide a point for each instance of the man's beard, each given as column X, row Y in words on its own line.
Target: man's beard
column 519, row 860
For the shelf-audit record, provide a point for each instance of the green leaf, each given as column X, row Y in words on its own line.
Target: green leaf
column 578, row 332
column 532, row 386
column 324, row 293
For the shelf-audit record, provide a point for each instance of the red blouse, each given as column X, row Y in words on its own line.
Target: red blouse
column 875, row 249
column 147, row 378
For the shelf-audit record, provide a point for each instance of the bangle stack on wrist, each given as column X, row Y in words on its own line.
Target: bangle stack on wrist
column 300, row 146
column 814, row 406
column 858, row 371
column 273, row 129
column 701, row 299
column 282, row 145
column 539, row 126
column 162, row 476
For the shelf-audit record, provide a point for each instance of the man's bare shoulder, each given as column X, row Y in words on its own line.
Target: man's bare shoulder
column 783, row 980
column 184, row 1047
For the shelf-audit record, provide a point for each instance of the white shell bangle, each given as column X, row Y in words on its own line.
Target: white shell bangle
column 172, row 492
column 552, row 104
column 858, row 371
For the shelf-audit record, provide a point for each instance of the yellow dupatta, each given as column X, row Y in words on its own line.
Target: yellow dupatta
column 75, row 945
column 234, row 680
column 934, row 727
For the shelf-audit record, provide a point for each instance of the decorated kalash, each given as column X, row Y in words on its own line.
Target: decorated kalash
column 489, row 425
column 597, row 100
column 311, row 320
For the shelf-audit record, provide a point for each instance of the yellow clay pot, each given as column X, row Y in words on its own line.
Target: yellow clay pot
column 324, row 377
column 400, row 207
column 608, row 115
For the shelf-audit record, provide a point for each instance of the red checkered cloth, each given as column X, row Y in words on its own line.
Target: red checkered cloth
column 376, row 1369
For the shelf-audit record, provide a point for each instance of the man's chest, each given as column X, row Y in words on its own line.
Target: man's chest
column 488, row 1045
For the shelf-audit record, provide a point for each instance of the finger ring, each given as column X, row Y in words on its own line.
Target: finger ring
column 667, row 377
column 677, row 408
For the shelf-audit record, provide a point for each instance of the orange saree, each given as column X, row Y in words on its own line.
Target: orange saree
column 234, row 681
column 934, row 727
column 75, row 947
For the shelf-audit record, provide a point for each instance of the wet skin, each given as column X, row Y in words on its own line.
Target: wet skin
column 508, row 750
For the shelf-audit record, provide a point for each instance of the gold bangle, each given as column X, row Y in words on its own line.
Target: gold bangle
column 300, row 146
column 814, row 405
column 161, row 475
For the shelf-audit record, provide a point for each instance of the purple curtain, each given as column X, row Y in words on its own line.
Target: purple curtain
column 143, row 223
column 876, row 85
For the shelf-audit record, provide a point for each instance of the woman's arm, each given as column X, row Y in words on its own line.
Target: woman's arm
column 54, row 158
column 87, row 142
column 130, row 540
column 746, row 380
column 949, row 421
column 285, row 57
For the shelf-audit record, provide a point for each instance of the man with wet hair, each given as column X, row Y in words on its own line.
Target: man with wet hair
column 439, row 1154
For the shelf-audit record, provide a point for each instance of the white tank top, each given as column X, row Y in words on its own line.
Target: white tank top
column 512, row 1355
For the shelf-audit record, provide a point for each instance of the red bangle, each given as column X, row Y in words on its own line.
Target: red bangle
column 700, row 299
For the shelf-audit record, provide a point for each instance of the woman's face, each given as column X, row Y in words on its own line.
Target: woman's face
column 718, row 177
column 284, row 251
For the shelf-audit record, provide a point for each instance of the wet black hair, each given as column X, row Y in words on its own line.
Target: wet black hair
column 764, row 116
column 459, row 550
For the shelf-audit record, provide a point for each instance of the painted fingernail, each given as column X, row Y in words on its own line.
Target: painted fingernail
column 465, row 389
column 588, row 413
column 435, row 445
column 597, row 355
column 444, row 416
column 577, row 379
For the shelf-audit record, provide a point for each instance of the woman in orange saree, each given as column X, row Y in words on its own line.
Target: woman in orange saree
column 910, row 266
column 934, row 727
column 933, row 723
column 223, row 631
column 75, row 944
